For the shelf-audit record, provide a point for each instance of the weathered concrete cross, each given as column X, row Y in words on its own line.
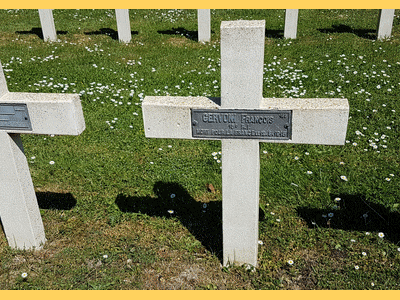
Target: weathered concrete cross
column 123, row 25
column 241, row 121
column 59, row 114
column 385, row 23
column 204, row 25
column 47, row 23
column 291, row 17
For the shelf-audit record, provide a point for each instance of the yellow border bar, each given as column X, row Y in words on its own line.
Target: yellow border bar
column 186, row 4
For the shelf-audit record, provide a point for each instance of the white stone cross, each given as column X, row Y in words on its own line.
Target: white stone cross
column 291, row 17
column 385, row 23
column 313, row 121
column 204, row 25
column 47, row 23
column 123, row 25
column 20, row 113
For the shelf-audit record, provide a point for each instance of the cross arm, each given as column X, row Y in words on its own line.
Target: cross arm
column 59, row 114
column 169, row 117
column 314, row 121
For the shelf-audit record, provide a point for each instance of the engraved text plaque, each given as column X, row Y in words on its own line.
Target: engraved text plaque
column 242, row 124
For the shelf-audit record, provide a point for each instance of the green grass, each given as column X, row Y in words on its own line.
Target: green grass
column 105, row 201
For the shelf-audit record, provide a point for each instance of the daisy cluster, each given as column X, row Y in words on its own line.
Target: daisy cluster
column 125, row 91
column 12, row 11
column 371, row 140
column 172, row 15
column 217, row 156
column 78, row 15
column 352, row 70
column 286, row 76
column 364, row 254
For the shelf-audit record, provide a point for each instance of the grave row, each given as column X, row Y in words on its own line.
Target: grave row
column 123, row 25
column 384, row 29
column 241, row 118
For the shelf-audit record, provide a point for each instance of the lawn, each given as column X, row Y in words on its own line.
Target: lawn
column 121, row 211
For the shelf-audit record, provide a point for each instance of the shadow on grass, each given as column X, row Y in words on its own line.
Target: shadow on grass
column 274, row 34
column 355, row 214
column 109, row 32
column 59, row 201
column 369, row 34
column 191, row 35
column 204, row 223
column 39, row 32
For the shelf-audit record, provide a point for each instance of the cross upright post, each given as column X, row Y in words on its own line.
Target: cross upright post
column 291, row 18
column 123, row 25
column 28, row 113
column 385, row 23
column 241, row 119
column 204, row 25
column 47, row 23
column 242, row 63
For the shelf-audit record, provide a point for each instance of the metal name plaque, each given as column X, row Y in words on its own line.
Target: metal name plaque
column 242, row 124
column 14, row 116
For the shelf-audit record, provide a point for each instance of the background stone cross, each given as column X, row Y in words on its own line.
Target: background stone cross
column 313, row 121
column 47, row 23
column 28, row 113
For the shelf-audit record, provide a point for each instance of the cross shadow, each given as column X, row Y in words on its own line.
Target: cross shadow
column 341, row 28
column 39, row 32
column 191, row 35
column 58, row 201
column 274, row 34
column 204, row 224
column 355, row 214
column 109, row 32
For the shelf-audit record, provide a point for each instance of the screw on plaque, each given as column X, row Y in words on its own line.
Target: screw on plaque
column 194, row 123
column 286, row 126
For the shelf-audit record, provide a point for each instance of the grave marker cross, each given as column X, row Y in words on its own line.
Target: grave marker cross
column 123, row 25
column 291, row 17
column 47, row 23
column 204, row 25
column 59, row 114
column 385, row 23
column 313, row 121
